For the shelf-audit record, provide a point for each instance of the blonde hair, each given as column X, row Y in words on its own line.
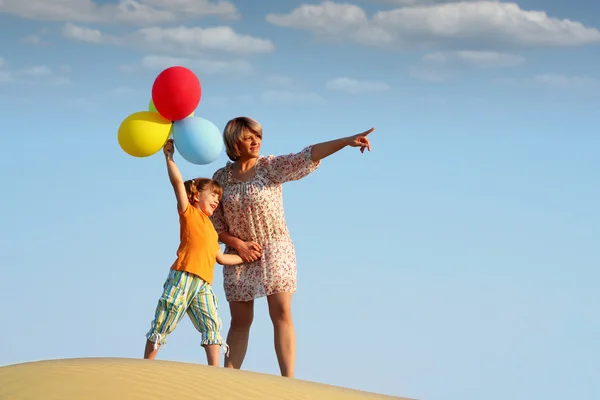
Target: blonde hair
column 233, row 132
column 197, row 185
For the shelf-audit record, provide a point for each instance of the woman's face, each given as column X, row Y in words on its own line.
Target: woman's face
column 249, row 145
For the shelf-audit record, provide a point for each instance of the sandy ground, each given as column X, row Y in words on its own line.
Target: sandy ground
column 137, row 379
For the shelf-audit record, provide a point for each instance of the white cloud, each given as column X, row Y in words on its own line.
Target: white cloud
column 127, row 68
column 483, row 59
column 419, row 2
column 137, row 12
column 195, row 39
column 198, row 8
column 65, row 69
column 215, row 101
column 61, row 81
column 244, row 98
column 429, row 75
column 333, row 21
column 5, row 74
column 505, row 81
column 83, row 34
column 181, row 41
column 474, row 25
column 354, row 86
column 81, row 102
column 578, row 83
column 5, row 77
column 442, row 66
column 432, row 100
column 204, row 66
column 36, row 74
column 182, row 46
column 31, row 39
column 34, row 38
column 566, row 82
column 36, row 70
column 123, row 91
column 289, row 97
column 225, row 100
column 281, row 82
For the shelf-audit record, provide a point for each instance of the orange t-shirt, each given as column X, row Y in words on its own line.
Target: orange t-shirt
column 197, row 252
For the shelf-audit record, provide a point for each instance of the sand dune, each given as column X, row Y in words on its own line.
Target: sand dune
column 136, row 379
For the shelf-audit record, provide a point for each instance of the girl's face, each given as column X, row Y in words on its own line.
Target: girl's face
column 249, row 145
column 206, row 201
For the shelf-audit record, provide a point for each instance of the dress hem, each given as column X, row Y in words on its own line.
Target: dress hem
column 260, row 296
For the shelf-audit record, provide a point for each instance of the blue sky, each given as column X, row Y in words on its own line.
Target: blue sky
column 457, row 260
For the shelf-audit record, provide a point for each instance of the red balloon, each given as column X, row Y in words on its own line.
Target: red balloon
column 176, row 93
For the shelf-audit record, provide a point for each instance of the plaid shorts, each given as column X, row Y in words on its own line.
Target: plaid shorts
column 186, row 293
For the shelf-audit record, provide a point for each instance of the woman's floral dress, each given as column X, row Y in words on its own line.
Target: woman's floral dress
column 253, row 210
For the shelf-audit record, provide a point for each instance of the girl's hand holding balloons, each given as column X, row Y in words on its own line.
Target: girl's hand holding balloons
column 169, row 149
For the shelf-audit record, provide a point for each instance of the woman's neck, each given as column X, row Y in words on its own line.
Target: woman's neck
column 245, row 164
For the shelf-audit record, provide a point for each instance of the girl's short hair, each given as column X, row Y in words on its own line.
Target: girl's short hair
column 233, row 132
column 197, row 185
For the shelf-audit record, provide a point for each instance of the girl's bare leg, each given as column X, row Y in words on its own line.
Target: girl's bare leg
column 280, row 310
column 242, row 314
column 213, row 354
column 149, row 352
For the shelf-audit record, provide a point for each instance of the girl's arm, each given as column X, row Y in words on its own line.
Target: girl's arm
column 320, row 151
column 175, row 177
column 249, row 251
column 228, row 259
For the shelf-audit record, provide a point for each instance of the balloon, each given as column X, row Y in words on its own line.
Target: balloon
column 176, row 93
column 143, row 133
column 151, row 108
column 198, row 140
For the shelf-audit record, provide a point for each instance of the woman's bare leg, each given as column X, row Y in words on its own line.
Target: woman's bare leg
column 280, row 310
column 242, row 314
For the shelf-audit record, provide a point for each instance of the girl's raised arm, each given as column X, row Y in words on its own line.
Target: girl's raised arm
column 175, row 177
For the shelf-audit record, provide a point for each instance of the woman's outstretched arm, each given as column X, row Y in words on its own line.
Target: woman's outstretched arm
column 320, row 151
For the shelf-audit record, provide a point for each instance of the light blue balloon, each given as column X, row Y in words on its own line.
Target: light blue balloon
column 198, row 140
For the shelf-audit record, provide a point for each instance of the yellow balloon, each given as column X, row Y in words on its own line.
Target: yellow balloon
column 144, row 133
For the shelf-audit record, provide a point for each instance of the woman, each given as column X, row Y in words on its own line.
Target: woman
column 250, row 222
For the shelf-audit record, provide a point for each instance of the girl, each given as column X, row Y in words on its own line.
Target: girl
column 188, row 286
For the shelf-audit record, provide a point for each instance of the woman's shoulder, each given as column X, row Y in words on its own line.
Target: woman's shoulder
column 266, row 159
column 264, row 163
column 221, row 173
column 263, row 158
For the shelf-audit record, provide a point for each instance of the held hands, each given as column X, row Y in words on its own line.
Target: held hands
column 169, row 149
column 360, row 140
column 249, row 251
